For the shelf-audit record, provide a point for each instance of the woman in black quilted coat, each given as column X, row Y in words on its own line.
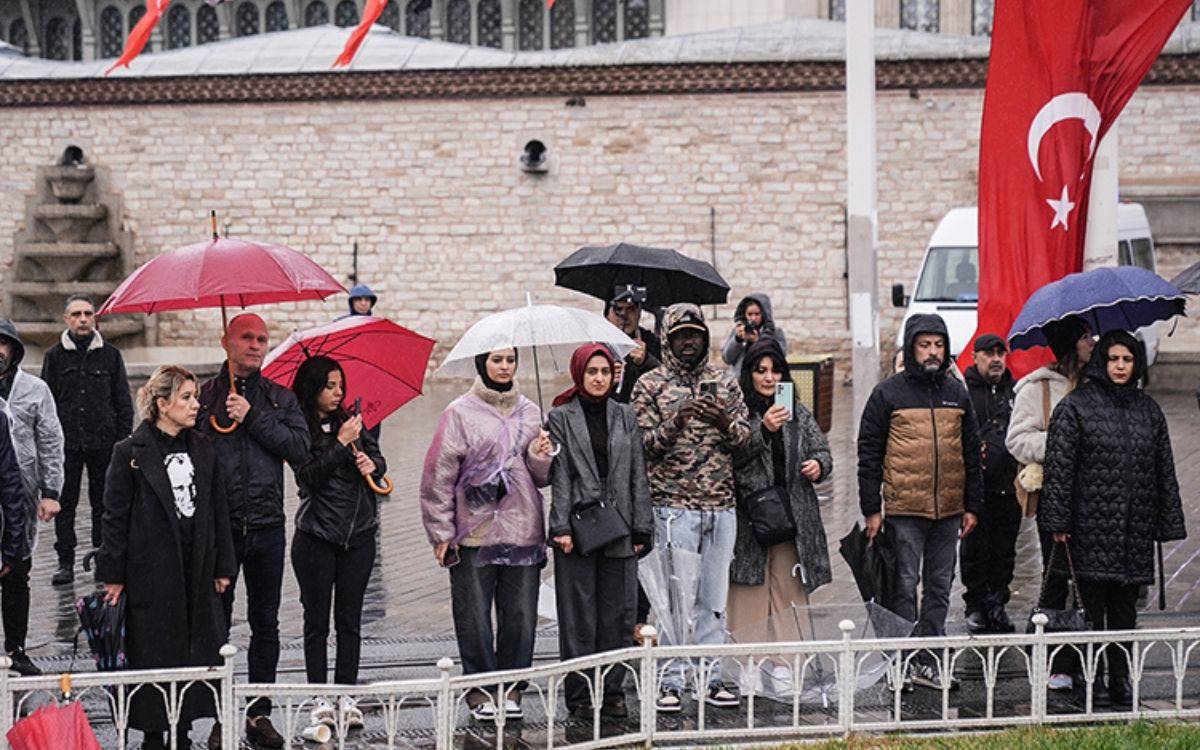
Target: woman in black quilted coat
column 1111, row 493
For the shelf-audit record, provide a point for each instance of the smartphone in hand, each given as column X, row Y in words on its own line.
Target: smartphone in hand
column 708, row 389
column 785, row 395
column 357, row 406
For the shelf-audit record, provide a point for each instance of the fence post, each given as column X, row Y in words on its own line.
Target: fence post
column 6, row 701
column 445, row 707
column 228, row 713
column 1041, row 669
column 846, row 680
column 649, row 692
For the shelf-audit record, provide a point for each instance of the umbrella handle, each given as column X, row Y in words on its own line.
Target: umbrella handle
column 384, row 489
column 212, row 420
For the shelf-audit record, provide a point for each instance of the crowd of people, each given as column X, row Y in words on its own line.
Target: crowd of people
column 658, row 449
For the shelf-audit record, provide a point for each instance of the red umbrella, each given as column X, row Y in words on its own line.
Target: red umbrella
column 384, row 363
column 55, row 726
column 219, row 273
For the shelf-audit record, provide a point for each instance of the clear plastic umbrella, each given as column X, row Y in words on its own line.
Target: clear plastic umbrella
column 670, row 576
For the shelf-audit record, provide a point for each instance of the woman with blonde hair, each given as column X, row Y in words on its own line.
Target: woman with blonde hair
column 167, row 548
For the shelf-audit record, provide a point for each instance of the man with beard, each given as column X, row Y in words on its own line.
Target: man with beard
column 693, row 418
column 919, row 464
column 987, row 556
column 624, row 311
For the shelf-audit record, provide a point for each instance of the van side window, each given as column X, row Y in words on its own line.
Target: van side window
column 1142, row 253
column 951, row 274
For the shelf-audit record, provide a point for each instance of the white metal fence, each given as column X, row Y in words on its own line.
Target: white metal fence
column 1004, row 684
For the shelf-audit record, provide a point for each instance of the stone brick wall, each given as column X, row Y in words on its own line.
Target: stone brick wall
column 450, row 229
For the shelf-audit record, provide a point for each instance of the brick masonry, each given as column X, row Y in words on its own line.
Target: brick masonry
column 450, row 229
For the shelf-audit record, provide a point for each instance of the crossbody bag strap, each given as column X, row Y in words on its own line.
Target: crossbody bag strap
column 1046, row 403
column 1074, row 584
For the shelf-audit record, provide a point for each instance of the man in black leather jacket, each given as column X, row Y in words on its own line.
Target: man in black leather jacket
column 268, row 430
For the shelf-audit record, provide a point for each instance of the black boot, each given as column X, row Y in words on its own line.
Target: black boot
column 998, row 620
column 65, row 573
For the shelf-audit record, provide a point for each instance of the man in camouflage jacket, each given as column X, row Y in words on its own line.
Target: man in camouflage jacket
column 693, row 417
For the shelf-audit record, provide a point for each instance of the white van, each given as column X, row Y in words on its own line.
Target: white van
column 948, row 283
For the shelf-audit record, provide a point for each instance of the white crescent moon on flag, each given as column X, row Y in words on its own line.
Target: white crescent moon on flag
column 1073, row 106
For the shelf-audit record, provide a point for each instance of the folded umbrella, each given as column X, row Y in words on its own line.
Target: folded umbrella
column 1125, row 298
column 54, row 727
column 668, row 275
column 103, row 625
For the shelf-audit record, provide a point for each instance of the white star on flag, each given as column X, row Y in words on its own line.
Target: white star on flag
column 1062, row 210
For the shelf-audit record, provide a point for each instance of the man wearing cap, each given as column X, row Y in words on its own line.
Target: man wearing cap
column 624, row 311
column 988, row 555
column 693, row 418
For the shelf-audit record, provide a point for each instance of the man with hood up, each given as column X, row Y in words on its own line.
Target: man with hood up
column 38, row 439
column 693, row 418
column 752, row 319
column 919, row 466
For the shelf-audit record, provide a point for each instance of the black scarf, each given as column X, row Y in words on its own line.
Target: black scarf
column 492, row 385
column 595, row 413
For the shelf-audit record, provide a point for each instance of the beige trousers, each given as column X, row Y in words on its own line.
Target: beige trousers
column 763, row 613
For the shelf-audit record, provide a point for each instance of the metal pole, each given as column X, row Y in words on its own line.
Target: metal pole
column 860, row 199
column 1100, row 243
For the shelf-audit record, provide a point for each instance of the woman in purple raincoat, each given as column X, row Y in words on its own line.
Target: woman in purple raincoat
column 484, row 516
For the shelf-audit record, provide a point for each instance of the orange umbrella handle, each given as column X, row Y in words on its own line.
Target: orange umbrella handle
column 212, row 420
column 386, row 489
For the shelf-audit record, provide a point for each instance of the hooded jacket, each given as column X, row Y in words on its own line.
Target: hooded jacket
column 361, row 290
column 90, row 391
column 689, row 467
column 13, row 503
column 993, row 403
column 918, row 443
column 1026, row 439
column 1110, row 475
column 734, row 351
column 36, row 433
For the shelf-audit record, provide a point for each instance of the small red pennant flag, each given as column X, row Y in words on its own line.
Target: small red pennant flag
column 371, row 14
column 549, row 4
column 141, row 33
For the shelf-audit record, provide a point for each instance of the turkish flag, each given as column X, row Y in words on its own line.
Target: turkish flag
column 371, row 14
column 1059, row 74
column 140, row 33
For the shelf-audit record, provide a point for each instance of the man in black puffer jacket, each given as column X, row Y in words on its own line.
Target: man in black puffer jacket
column 268, row 430
column 988, row 555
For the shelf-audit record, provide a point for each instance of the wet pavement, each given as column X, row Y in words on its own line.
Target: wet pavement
column 407, row 625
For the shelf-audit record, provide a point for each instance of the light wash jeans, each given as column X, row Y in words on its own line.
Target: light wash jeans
column 712, row 534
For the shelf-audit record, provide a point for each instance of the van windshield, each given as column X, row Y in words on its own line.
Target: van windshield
column 950, row 274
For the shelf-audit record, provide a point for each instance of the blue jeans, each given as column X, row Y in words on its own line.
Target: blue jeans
column 712, row 534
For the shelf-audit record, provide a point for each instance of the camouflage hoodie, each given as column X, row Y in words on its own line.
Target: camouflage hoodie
column 691, row 467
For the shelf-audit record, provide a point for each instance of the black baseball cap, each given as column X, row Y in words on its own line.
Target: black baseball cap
column 989, row 341
column 629, row 292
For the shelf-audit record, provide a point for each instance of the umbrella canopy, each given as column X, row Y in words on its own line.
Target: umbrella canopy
column 221, row 272
column 384, row 363
column 668, row 275
column 1107, row 299
column 670, row 576
column 54, row 727
column 1188, row 281
column 555, row 332
column 871, row 564
column 103, row 625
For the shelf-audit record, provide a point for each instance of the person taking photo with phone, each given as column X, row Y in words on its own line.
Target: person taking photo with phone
column 624, row 311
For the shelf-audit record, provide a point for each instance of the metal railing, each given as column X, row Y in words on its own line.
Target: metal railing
column 829, row 690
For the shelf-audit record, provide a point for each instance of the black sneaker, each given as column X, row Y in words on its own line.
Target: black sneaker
column 614, row 707
column 999, row 620
column 977, row 622
column 22, row 664
column 721, row 696
column 64, row 575
column 214, row 737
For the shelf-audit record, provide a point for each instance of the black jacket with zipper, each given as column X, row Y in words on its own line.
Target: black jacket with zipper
column 335, row 502
column 993, row 404
column 91, row 392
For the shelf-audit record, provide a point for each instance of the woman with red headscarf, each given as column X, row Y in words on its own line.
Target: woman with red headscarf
column 600, row 521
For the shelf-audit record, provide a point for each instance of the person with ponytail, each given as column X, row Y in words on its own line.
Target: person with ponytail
column 599, row 469
column 167, row 547
column 333, row 549
column 484, row 516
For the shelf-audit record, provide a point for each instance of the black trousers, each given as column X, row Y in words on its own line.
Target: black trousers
column 988, row 554
column 260, row 557
column 597, row 602
column 332, row 575
column 96, row 463
column 14, row 605
column 1054, row 592
column 1111, row 606
column 513, row 589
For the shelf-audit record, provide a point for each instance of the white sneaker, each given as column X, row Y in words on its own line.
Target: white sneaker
column 512, row 710
column 349, row 708
column 669, row 701
column 322, row 713
column 927, row 675
column 1061, row 681
column 484, row 711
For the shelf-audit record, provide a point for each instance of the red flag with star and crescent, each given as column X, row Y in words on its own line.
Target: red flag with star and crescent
column 1059, row 74
column 140, row 34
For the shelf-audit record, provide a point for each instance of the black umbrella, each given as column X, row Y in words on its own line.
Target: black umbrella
column 1188, row 280
column 871, row 564
column 104, row 626
column 668, row 275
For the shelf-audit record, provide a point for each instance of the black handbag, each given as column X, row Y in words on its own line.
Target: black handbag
column 596, row 525
column 1074, row 618
column 769, row 513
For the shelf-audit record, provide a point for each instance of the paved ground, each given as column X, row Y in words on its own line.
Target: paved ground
column 407, row 619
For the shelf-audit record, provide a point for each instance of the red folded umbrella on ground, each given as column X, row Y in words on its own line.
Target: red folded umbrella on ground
column 54, row 727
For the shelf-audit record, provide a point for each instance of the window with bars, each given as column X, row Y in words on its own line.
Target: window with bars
column 316, row 13
column 179, row 27
column 416, row 18
column 458, row 22
column 77, row 40
column 56, row 40
column 346, row 14
column 529, row 25
column 982, row 14
column 391, row 15
column 18, row 35
column 919, row 15
column 111, row 34
column 208, row 28
column 246, row 20
column 637, row 19
column 489, row 21
column 837, row 10
column 277, row 19
column 135, row 15
column 604, row 21
column 562, row 25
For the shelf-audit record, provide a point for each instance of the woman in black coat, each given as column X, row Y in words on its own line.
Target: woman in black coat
column 168, row 548
column 1110, row 493
column 333, row 549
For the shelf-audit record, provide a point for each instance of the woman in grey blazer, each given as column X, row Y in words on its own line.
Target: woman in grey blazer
column 600, row 460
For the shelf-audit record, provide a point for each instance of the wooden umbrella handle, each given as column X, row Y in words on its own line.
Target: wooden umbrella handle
column 212, row 418
column 384, row 489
